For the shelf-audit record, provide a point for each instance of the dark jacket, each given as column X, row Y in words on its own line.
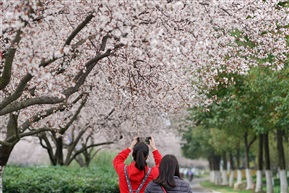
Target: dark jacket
column 136, row 176
column 181, row 187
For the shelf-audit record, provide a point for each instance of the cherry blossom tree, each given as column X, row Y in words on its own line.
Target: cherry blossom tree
column 145, row 54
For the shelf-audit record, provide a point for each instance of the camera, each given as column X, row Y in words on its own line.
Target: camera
column 143, row 139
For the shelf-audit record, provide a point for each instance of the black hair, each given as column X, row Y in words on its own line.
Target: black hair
column 169, row 167
column 140, row 154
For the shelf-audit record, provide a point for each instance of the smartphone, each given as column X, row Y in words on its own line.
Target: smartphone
column 144, row 139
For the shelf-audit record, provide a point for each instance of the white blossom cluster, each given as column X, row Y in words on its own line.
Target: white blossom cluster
column 160, row 52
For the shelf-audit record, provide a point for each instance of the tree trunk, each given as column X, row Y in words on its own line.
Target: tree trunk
column 216, row 166
column 5, row 150
column 268, row 172
column 260, row 165
column 59, row 151
column 224, row 171
column 211, row 169
column 282, row 164
column 43, row 138
column 239, row 172
column 1, row 177
column 84, row 159
column 80, row 161
column 248, row 172
column 232, row 170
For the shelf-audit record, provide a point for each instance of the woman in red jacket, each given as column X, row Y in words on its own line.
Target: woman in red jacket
column 135, row 176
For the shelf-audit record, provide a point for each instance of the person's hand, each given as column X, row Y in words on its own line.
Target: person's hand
column 133, row 143
column 152, row 143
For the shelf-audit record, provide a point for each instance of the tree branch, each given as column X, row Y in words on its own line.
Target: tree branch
column 32, row 132
column 69, row 39
column 79, row 28
column 62, row 130
column 103, row 42
column 252, row 141
column 72, row 146
column 18, row 92
column 48, row 147
column 47, row 62
column 4, row 143
column 40, row 115
column 6, row 75
column 15, row 106
column 87, row 147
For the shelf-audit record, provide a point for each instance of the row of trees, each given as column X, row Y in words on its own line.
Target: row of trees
column 248, row 109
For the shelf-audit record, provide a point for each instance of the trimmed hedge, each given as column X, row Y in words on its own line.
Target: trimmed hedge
column 59, row 180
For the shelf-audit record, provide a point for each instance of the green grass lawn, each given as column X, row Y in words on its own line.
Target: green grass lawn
column 223, row 189
column 226, row 189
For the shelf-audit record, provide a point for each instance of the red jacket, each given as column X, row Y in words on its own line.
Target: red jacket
column 136, row 176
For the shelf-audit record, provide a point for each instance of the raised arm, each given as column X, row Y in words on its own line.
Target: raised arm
column 155, row 151
column 118, row 161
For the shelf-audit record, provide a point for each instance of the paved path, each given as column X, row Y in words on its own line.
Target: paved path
column 196, row 187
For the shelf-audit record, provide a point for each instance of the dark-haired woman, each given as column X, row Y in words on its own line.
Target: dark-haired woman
column 135, row 176
column 169, row 180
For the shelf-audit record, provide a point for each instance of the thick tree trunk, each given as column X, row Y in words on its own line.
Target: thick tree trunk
column 5, row 150
column 269, row 181
column 259, row 186
column 239, row 176
column 215, row 175
column 268, row 172
column 249, row 179
column 216, row 165
column 282, row 164
column 59, row 151
column 283, row 181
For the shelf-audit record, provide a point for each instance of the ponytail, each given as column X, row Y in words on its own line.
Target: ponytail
column 140, row 153
column 140, row 161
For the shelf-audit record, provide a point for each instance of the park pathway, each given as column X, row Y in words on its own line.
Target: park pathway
column 197, row 188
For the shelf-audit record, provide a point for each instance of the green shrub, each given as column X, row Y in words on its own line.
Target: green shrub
column 60, row 179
